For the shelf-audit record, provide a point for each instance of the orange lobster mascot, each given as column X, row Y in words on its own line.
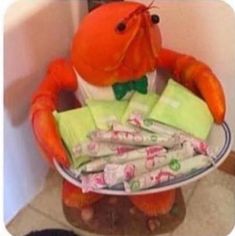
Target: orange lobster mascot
column 115, row 43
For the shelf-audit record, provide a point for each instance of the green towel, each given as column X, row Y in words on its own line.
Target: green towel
column 74, row 125
column 105, row 112
column 180, row 108
column 141, row 104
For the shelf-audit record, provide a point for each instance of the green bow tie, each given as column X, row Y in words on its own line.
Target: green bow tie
column 121, row 89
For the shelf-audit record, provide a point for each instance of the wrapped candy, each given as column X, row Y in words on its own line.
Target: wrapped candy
column 151, row 125
column 199, row 145
column 144, row 153
column 134, row 138
column 98, row 149
column 92, row 182
column 173, row 170
column 117, row 126
column 117, row 173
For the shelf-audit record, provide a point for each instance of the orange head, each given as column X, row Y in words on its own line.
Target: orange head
column 116, row 42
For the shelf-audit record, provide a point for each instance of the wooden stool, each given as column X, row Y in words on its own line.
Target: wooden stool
column 116, row 215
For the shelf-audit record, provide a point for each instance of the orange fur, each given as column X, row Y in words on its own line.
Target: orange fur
column 154, row 204
column 104, row 56
column 60, row 76
column 74, row 197
column 198, row 77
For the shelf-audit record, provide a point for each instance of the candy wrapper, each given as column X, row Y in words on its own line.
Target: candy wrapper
column 117, row 126
column 180, row 108
column 134, row 138
column 173, row 170
column 117, row 173
column 151, row 125
column 98, row 149
column 94, row 181
column 147, row 152
column 73, row 129
column 104, row 112
column 140, row 104
column 199, row 145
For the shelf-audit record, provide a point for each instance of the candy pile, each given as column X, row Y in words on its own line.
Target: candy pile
column 139, row 157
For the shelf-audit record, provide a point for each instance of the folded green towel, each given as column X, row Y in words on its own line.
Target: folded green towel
column 141, row 104
column 74, row 125
column 180, row 108
column 104, row 112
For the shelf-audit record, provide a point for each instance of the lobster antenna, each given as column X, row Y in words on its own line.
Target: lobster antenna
column 151, row 4
column 140, row 10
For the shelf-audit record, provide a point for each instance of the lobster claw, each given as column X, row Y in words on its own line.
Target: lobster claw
column 74, row 197
column 197, row 77
column 212, row 92
column 47, row 135
column 60, row 76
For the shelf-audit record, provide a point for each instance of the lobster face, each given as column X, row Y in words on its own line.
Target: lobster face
column 116, row 42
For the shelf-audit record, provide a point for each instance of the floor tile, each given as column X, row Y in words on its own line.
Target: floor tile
column 49, row 200
column 211, row 209
column 28, row 220
column 188, row 190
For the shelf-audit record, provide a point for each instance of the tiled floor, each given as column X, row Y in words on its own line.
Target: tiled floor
column 210, row 208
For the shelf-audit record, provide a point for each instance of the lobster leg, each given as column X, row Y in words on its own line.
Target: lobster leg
column 74, row 197
column 60, row 76
column 155, row 204
column 197, row 77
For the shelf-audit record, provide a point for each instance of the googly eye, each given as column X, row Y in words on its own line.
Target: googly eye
column 155, row 19
column 121, row 27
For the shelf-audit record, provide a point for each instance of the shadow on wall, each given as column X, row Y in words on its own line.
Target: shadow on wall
column 28, row 48
column 17, row 98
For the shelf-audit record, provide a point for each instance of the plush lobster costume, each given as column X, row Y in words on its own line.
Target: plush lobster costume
column 116, row 43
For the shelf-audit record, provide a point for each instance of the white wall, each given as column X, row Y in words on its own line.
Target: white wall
column 35, row 32
column 40, row 30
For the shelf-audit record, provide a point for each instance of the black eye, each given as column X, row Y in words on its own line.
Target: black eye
column 155, row 19
column 121, row 27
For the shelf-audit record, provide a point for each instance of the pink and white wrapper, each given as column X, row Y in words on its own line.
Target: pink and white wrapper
column 200, row 146
column 174, row 169
column 134, row 138
column 144, row 153
column 98, row 149
column 117, row 126
column 151, row 125
column 117, row 173
column 92, row 182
